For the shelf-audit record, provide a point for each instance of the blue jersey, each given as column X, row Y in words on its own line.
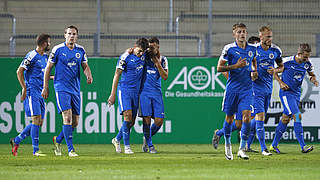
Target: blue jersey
column 152, row 79
column 294, row 73
column 239, row 79
column 265, row 59
column 34, row 65
column 67, row 67
column 132, row 70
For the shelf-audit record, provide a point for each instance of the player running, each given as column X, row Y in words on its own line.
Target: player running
column 240, row 57
column 295, row 68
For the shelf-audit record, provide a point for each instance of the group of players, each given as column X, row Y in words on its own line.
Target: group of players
column 249, row 68
column 141, row 69
column 250, row 71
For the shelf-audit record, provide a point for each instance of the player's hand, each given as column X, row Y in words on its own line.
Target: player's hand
column 111, row 100
column 129, row 50
column 23, row 94
column 45, row 93
column 270, row 70
column 89, row 79
column 241, row 63
column 284, row 86
column 254, row 75
column 314, row 81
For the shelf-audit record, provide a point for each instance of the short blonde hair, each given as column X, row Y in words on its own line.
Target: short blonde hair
column 238, row 25
column 265, row 28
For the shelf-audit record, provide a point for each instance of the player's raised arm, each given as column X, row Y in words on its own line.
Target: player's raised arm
column 87, row 72
column 20, row 77
column 45, row 90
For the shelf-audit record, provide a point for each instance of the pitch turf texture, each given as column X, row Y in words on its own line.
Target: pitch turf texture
column 172, row 162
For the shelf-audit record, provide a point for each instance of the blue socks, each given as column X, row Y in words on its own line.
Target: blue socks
column 154, row 129
column 120, row 133
column 67, row 132
column 147, row 134
column 281, row 128
column 35, row 137
column 126, row 133
column 261, row 134
column 233, row 128
column 252, row 132
column 227, row 132
column 245, row 131
column 26, row 132
column 61, row 136
column 299, row 133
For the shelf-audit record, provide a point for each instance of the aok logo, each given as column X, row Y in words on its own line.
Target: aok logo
column 198, row 78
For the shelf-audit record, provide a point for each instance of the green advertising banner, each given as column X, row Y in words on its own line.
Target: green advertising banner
column 192, row 95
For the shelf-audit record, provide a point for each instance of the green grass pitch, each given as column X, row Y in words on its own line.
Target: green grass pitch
column 174, row 161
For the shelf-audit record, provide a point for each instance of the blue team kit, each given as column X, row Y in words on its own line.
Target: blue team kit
column 34, row 65
column 67, row 76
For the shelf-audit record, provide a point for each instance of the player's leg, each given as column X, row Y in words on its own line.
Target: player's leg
column 36, row 122
column 252, row 135
column 26, row 131
column 218, row 133
column 229, row 106
column 245, row 131
column 299, row 133
column 147, row 141
column 290, row 107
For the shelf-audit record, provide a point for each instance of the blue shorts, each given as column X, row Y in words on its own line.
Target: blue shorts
column 261, row 102
column 290, row 103
column 34, row 106
column 151, row 105
column 66, row 100
column 128, row 101
column 234, row 102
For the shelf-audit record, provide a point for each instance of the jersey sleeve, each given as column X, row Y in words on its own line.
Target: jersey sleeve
column 28, row 60
column 279, row 57
column 310, row 67
column 164, row 63
column 122, row 62
column 224, row 55
column 53, row 55
column 84, row 58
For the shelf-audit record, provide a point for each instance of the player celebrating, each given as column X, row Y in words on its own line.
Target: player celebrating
column 293, row 74
column 67, row 58
column 238, row 95
column 267, row 54
column 151, row 101
column 30, row 76
column 130, row 68
column 236, row 125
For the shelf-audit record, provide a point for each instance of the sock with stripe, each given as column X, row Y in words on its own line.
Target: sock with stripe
column 35, row 137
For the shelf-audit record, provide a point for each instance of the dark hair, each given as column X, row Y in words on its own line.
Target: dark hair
column 253, row 39
column 154, row 40
column 71, row 27
column 42, row 38
column 304, row 47
column 238, row 25
column 142, row 43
